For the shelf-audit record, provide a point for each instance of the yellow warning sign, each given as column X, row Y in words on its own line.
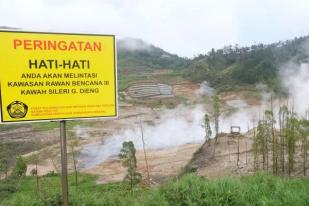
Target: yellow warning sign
column 53, row 76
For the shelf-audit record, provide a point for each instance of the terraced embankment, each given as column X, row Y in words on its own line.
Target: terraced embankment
column 150, row 89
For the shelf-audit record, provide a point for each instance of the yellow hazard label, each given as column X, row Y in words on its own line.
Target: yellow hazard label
column 50, row 76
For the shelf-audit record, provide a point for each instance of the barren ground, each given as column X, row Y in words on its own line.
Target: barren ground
column 163, row 163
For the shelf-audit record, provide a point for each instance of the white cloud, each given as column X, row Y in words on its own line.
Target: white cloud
column 183, row 27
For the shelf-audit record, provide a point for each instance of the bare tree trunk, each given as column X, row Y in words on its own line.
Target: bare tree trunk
column 305, row 154
column 283, row 143
column 37, row 177
column 54, row 162
column 291, row 147
column 274, row 143
column 256, row 154
column 131, row 177
column 280, row 137
column 228, row 146
column 75, row 169
column 6, row 169
column 238, row 160
column 264, row 149
column 246, row 154
column 145, row 155
column 73, row 144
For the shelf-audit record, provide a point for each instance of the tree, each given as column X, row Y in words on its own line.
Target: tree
column 292, row 136
column 255, row 147
column 20, row 167
column 216, row 115
column 33, row 172
column 127, row 155
column 207, row 127
column 270, row 124
column 260, row 143
column 304, row 132
column 283, row 120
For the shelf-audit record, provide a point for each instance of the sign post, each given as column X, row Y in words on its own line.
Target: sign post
column 57, row 77
column 64, row 164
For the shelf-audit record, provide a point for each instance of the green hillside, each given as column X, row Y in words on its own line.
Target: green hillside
column 137, row 55
column 225, row 68
column 235, row 65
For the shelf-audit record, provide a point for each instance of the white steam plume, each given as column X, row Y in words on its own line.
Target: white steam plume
column 295, row 79
column 177, row 127
column 204, row 90
column 81, row 131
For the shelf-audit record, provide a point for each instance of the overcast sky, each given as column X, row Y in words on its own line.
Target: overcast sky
column 183, row 27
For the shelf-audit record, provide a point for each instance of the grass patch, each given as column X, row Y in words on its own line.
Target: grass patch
column 5, row 127
column 125, row 81
column 189, row 190
column 46, row 126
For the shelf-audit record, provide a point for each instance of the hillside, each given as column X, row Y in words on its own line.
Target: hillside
column 137, row 55
column 225, row 69
column 235, row 65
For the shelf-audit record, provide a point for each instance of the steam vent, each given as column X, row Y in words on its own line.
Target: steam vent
column 150, row 89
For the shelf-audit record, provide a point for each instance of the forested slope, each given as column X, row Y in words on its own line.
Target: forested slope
column 235, row 65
